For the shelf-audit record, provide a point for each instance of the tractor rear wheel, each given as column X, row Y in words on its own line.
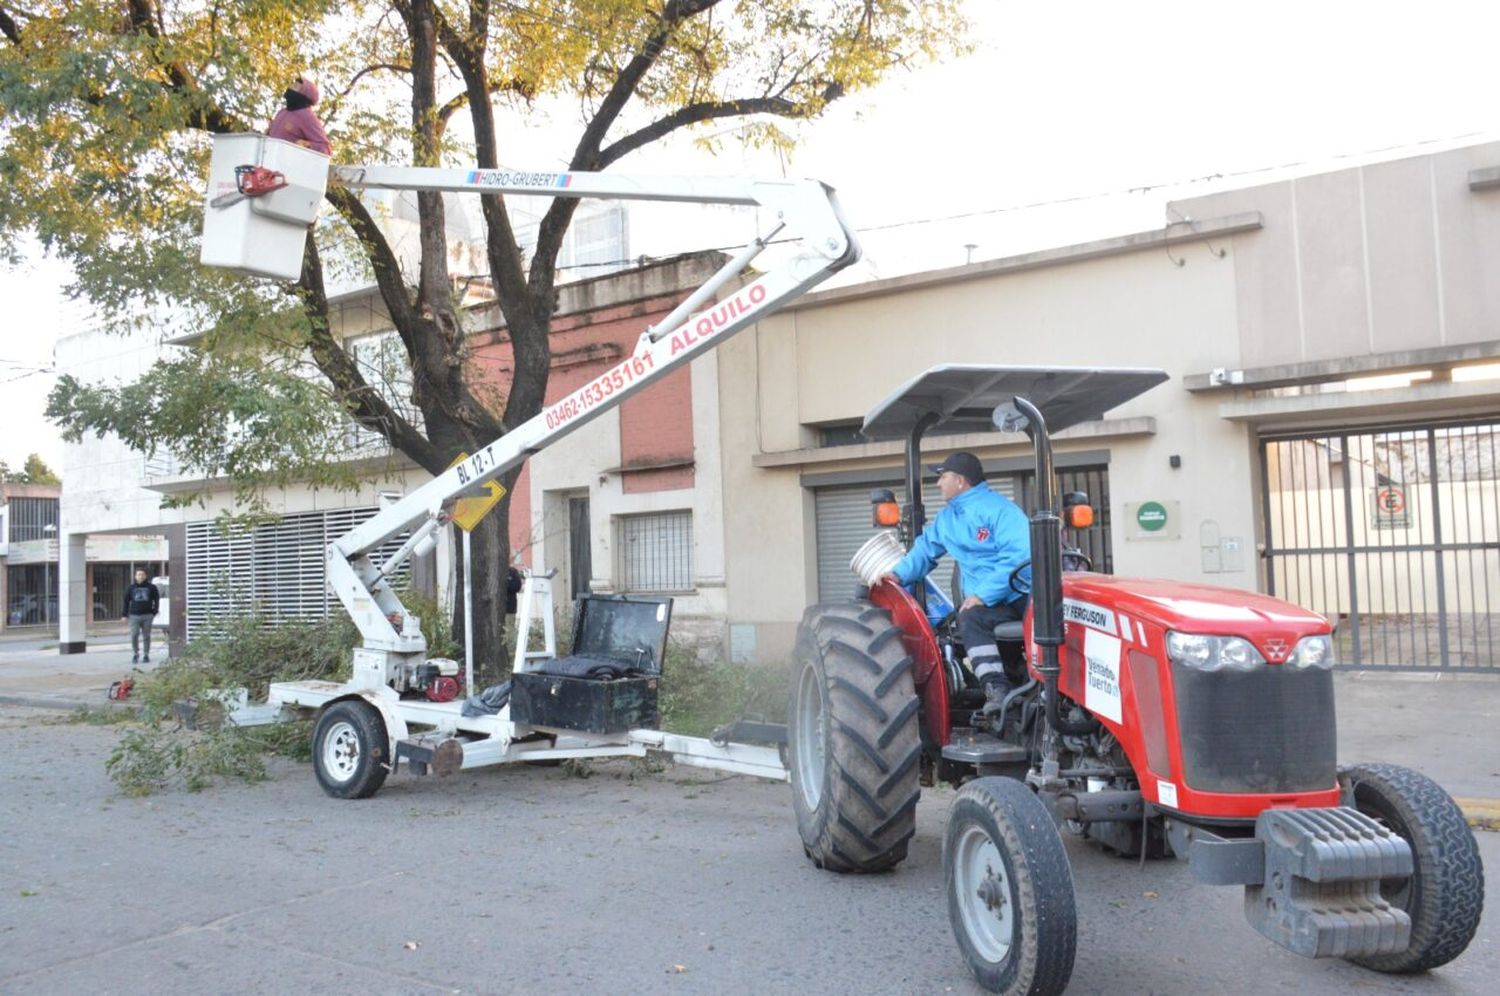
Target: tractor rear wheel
column 1445, row 894
column 1010, row 889
column 854, row 747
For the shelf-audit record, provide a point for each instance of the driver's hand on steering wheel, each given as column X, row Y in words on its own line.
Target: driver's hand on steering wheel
column 970, row 602
column 889, row 578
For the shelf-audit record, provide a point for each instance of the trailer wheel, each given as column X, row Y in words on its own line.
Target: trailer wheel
column 1010, row 889
column 854, row 747
column 349, row 750
column 1445, row 894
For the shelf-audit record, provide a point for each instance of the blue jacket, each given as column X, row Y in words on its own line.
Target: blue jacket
column 987, row 534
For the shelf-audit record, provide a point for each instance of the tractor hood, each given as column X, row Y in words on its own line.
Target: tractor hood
column 1195, row 608
column 964, row 396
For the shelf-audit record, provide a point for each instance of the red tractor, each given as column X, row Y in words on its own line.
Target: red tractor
column 1154, row 717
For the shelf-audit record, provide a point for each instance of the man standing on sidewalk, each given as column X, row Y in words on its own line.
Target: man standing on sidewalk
column 142, row 601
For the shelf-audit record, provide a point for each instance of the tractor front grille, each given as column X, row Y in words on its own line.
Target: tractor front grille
column 1270, row 730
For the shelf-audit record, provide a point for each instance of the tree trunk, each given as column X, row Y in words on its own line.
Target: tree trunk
column 489, row 545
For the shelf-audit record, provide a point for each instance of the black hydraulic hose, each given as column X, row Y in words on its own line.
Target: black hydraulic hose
column 1005, row 705
column 1070, row 727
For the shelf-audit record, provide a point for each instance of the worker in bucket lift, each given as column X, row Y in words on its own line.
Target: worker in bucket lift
column 989, row 538
column 297, row 122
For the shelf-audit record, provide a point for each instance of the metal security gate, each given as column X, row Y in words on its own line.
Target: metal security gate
column 1394, row 535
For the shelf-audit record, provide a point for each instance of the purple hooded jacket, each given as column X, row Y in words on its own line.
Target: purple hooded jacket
column 300, row 124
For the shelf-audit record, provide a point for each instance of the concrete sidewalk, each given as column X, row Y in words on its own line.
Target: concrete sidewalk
column 1445, row 725
column 33, row 673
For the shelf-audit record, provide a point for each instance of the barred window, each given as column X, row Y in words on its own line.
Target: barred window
column 30, row 517
column 656, row 552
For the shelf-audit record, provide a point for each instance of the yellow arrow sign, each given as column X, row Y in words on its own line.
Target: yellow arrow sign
column 467, row 512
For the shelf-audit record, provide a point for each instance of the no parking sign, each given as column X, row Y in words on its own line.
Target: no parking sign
column 1388, row 506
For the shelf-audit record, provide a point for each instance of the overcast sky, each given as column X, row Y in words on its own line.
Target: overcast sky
column 1061, row 102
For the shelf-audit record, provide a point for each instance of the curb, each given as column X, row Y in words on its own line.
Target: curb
column 1482, row 814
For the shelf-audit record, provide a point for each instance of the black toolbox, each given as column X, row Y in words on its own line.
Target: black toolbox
column 608, row 684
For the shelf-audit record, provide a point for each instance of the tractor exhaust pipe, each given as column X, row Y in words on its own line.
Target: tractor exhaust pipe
column 1046, row 561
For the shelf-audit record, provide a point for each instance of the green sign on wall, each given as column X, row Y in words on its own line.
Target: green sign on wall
column 1151, row 516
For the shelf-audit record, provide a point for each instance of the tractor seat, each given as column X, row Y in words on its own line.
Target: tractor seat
column 1013, row 631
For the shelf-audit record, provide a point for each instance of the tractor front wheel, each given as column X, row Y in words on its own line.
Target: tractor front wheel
column 1010, row 889
column 1445, row 893
column 854, row 747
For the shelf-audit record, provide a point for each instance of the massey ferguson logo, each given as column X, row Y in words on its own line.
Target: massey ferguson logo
column 1276, row 650
column 984, row 533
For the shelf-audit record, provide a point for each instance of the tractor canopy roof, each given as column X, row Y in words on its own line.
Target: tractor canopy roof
column 964, row 396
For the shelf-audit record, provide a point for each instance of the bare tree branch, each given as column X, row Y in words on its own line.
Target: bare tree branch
column 363, row 402
column 696, row 114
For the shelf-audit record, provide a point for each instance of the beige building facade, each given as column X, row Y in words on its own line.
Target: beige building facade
column 1272, row 309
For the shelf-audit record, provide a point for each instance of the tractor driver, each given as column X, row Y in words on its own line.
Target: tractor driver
column 989, row 537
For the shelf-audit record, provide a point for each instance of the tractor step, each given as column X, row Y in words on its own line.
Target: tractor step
column 1320, row 892
column 969, row 746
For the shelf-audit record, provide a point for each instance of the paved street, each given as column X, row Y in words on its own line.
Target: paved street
column 526, row 879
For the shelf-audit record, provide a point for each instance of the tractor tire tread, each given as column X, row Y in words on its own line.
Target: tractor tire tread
column 866, row 813
column 1020, row 825
column 1447, row 858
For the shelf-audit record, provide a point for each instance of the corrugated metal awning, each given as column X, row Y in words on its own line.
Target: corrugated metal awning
column 964, row 396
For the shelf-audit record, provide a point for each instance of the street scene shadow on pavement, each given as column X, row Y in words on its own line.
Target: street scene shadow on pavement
column 612, row 876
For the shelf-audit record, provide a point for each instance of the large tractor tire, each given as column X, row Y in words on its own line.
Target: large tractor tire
column 855, row 749
column 1445, row 893
column 1010, row 889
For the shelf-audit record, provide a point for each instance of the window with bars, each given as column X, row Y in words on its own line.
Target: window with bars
column 30, row 517
column 656, row 551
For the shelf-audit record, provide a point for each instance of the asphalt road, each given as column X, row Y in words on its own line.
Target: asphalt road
column 526, row 879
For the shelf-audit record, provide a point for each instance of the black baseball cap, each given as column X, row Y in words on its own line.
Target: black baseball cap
column 964, row 464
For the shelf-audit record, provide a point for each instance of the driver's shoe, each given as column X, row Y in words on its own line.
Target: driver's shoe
column 995, row 691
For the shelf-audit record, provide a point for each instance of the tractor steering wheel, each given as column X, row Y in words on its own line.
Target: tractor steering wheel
column 1018, row 584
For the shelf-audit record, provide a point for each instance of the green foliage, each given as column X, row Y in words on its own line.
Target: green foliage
column 249, row 651
column 106, row 110
column 697, row 696
column 437, row 625
column 233, row 416
column 145, row 761
column 185, row 742
column 35, row 471
column 106, row 117
column 89, row 716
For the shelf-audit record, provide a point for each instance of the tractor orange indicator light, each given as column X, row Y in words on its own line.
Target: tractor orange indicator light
column 887, row 513
column 1080, row 516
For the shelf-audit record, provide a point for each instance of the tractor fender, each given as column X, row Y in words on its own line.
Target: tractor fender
column 927, row 659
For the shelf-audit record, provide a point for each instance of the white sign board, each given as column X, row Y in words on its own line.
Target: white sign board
column 1101, row 660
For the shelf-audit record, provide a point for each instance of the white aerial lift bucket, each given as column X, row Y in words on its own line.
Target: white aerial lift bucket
column 262, row 234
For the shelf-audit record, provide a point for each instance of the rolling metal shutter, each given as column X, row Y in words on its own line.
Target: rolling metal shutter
column 276, row 569
column 842, row 517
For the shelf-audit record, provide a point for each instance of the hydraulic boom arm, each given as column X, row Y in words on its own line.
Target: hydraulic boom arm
column 806, row 208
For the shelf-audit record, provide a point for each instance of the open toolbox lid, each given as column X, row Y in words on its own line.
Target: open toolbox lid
column 627, row 629
column 964, row 396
